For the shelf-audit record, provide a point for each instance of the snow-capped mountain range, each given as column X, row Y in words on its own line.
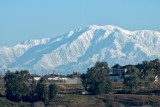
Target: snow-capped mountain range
column 79, row 49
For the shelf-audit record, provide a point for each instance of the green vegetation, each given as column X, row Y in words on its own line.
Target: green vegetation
column 17, row 85
column 109, row 100
column 138, row 79
column 53, row 89
column 149, row 70
column 137, row 89
column 21, row 87
column 96, row 80
column 42, row 91
column 132, row 79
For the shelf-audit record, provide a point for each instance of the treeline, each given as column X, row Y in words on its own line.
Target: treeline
column 20, row 86
column 137, row 78
column 142, row 75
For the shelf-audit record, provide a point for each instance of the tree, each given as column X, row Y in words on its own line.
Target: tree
column 21, row 87
column 150, row 77
column 146, row 66
column 17, row 85
column 42, row 90
column 149, row 71
column 96, row 80
column 52, row 91
column 32, row 94
column 131, row 79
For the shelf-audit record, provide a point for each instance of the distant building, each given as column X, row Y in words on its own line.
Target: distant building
column 35, row 77
column 62, row 79
column 118, row 72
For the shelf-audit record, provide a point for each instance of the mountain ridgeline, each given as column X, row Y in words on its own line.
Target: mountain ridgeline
column 81, row 49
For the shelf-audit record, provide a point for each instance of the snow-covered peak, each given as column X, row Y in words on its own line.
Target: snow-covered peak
column 111, row 28
column 35, row 42
column 107, row 27
column 79, row 49
column 93, row 27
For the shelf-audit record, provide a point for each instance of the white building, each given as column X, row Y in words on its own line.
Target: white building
column 118, row 72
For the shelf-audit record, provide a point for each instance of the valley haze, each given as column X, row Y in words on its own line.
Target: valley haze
column 80, row 49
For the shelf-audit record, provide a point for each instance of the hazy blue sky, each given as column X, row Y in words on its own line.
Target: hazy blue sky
column 34, row 19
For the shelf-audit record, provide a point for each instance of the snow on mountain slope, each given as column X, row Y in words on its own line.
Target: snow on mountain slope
column 80, row 49
column 9, row 54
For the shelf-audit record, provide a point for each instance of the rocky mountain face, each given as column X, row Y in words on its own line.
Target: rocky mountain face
column 80, row 49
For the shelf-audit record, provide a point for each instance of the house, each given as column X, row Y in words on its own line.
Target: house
column 115, row 74
column 118, row 72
